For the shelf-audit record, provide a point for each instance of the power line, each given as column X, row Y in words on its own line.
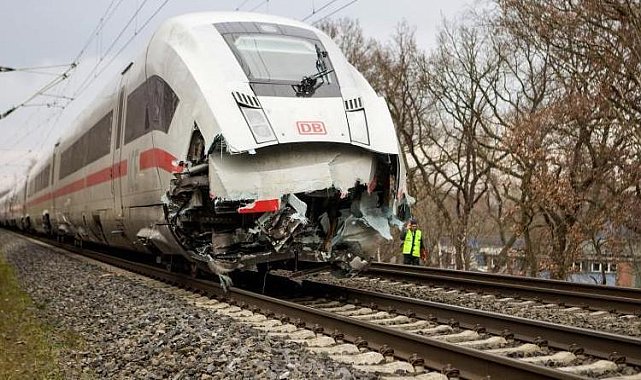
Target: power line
column 48, row 105
column 57, row 96
column 336, row 11
column 314, row 11
column 34, row 69
column 45, row 88
column 82, row 89
column 61, row 77
column 259, row 4
column 88, row 80
column 242, row 4
column 106, row 16
column 109, row 12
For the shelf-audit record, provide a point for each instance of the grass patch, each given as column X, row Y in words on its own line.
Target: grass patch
column 28, row 347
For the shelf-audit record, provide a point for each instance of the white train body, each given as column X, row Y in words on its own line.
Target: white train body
column 209, row 146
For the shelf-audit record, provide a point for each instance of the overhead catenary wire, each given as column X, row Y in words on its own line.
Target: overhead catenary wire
column 57, row 115
column 81, row 90
column 259, row 5
column 109, row 12
column 334, row 12
column 242, row 4
column 104, row 19
column 70, row 67
column 315, row 11
column 147, row 21
column 88, row 79
column 56, row 96
column 33, row 69
column 42, row 90
column 113, row 58
column 53, row 85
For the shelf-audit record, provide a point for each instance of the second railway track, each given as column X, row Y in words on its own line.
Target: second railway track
column 595, row 297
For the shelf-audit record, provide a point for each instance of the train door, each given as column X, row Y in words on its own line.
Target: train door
column 119, row 166
column 112, row 222
column 47, row 223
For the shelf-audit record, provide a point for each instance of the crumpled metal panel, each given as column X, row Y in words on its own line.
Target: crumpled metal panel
column 289, row 169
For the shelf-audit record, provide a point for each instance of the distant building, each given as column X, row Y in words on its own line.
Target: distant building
column 621, row 270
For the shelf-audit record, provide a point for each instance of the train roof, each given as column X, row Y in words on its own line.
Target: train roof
column 91, row 111
column 205, row 18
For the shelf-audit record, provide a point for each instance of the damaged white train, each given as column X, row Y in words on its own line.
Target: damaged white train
column 235, row 138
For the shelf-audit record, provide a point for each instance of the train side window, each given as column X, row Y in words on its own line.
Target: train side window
column 88, row 148
column 40, row 181
column 135, row 121
column 151, row 106
column 99, row 139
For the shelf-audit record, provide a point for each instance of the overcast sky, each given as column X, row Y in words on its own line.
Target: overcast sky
column 35, row 33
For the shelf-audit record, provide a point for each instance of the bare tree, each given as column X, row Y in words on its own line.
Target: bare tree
column 458, row 155
column 593, row 50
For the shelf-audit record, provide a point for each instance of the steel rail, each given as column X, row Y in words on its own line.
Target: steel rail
column 561, row 337
column 623, row 300
column 471, row 363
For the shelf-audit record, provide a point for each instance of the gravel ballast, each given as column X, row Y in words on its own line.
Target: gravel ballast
column 131, row 330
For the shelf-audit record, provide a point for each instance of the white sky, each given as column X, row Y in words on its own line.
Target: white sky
column 37, row 33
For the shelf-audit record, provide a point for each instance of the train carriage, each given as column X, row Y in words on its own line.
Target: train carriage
column 235, row 137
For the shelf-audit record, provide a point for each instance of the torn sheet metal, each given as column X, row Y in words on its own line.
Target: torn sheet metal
column 281, row 226
column 157, row 236
column 374, row 215
column 356, row 230
column 276, row 171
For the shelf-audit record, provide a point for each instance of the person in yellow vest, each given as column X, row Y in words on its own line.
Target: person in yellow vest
column 413, row 246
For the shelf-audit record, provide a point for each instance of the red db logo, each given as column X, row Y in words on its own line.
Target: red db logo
column 311, row 128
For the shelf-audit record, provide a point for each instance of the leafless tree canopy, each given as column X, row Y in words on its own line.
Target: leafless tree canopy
column 521, row 127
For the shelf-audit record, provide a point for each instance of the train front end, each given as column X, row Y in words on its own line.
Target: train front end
column 305, row 163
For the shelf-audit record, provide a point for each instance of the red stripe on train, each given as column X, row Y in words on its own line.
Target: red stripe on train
column 158, row 158
column 152, row 158
column 105, row 175
column 262, row 205
column 70, row 188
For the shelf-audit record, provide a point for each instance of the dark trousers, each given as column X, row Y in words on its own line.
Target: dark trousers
column 408, row 259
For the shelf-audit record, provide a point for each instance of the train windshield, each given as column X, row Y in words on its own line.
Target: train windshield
column 276, row 58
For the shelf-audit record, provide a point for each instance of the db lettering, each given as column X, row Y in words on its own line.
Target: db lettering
column 311, row 128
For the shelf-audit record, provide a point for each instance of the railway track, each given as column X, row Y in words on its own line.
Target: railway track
column 594, row 297
column 340, row 325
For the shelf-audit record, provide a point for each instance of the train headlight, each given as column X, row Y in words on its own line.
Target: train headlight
column 258, row 124
column 358, row 126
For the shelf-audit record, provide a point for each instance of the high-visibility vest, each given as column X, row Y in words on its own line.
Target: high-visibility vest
column 412, row 243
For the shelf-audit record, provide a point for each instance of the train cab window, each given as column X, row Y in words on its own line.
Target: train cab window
column 275, row 57
column 151, row 106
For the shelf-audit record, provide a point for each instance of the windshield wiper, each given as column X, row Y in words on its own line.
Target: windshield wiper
column 309, row 84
